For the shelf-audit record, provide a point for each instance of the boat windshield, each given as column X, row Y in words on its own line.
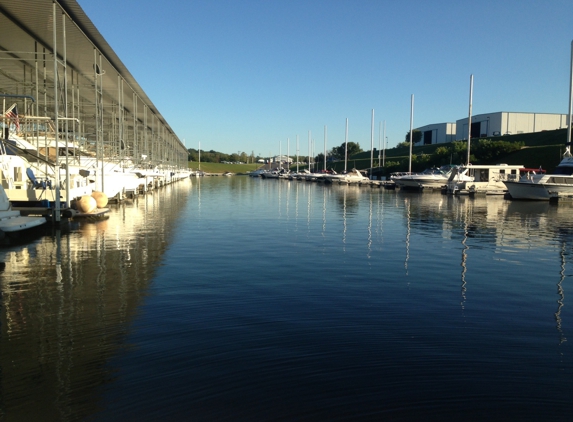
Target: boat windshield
column 564, row 170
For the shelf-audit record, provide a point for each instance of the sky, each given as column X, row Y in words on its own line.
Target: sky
column 253, row 75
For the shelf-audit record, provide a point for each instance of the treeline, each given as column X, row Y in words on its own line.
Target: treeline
column 221, row 157
column 484, row 151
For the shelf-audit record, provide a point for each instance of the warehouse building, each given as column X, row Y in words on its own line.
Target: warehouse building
column 490, row 125
column 438, row 133
column 508, row 123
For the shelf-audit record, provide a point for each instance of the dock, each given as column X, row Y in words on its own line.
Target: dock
column 65, row 213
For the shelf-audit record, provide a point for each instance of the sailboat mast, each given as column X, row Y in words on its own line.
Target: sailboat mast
column 380, row 145
column 570, row 116
column 325, row 136
column 296, row 154
column 372, row 144
column 411, row 127
column 309, row 167
column 346, row 147
column 385, row 140
column 470, row 117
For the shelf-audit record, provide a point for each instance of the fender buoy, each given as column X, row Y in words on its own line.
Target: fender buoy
column 86, row 204
column 101, row 199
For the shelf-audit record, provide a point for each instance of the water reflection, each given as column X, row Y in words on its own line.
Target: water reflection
column 276, row 279
column 561, row 298
column 68, row 300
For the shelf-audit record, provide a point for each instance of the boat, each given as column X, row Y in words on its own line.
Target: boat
column 12, row 222
column 433, row 178
column 257, row 173
column 543, row 187
column 483, row 179
column 299, row 175
column 64, row 171
column 353, row 176
column 538, row 186
column 273, row 174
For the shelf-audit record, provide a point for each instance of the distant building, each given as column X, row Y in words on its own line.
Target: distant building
column 282, row 159
column 492, row 124
column 508, row 123
column 438, row 133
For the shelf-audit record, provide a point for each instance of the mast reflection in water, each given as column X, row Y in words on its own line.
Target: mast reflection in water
column 246, row 299
column 68, row 300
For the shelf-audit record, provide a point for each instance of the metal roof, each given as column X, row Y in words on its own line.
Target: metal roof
column 27, row 65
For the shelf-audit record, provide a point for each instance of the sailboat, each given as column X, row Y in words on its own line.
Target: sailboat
column 543, row 187
column 353, row 176
column 485, row 178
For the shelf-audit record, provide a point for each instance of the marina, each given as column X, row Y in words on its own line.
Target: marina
column 132, row 288
column 75, row 121
column 301, row 301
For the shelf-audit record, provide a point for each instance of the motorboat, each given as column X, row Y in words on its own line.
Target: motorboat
column 53, row 168
column 273, row 174
column 535, row 185
column 257, row 173
column 353, row 176
column 12, row 222
column 482, row 178
column 299, row 175
column 543, row 187
column 433, row 178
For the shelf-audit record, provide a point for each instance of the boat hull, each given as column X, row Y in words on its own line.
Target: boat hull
column 528, row 190
column 418, row 183
column 540, row 191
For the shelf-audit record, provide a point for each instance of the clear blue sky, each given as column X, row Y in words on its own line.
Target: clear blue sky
column 247, row 75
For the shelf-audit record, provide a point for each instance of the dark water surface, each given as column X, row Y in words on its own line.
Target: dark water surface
column 244, row 299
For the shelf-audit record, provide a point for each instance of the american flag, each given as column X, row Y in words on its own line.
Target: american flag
column 12, row 114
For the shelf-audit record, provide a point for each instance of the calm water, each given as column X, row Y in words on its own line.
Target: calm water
column 244, row 299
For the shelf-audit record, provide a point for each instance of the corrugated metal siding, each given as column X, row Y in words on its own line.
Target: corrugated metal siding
column 26, row 28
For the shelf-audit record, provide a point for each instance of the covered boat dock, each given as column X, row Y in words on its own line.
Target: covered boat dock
column 58, row 75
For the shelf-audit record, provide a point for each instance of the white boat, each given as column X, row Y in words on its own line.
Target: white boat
column 12, row 221
column 19, row 158
column 257, row 173
column 298, row 175
column 274, row 174
column 542, row 187
column 353, row 176
column 484, row 179
column 434, row 178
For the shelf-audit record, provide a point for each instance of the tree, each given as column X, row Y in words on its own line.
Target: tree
column 416, row 136
column 353, row 149
column 193, row 155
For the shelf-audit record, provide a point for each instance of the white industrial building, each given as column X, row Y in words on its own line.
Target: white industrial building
column 508, row 123
column 438, row 133
column 492, row 124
